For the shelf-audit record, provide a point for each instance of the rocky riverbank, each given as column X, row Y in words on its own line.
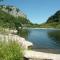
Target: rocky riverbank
column 25, row 44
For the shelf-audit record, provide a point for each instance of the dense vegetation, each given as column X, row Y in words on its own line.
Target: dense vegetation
column 9, row 21
column 10, row 51
column 54, row 18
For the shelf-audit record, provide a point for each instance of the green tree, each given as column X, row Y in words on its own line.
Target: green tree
column 17, row 10
column 8, row 8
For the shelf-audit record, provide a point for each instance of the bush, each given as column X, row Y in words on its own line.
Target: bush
column 10, row 51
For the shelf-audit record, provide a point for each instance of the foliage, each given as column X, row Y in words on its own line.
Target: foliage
column 10, row 51
column 8, row 8
column 17, row 10
column 9, row 21
column 6, row 20
column 23, row 33
column 54, row 18
column 50, row 25
column 55, row 35
column 53, row 21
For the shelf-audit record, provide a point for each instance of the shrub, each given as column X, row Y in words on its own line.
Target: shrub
column 10, row 51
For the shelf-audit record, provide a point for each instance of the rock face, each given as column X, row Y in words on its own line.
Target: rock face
column 12, row 10
column 21, row 41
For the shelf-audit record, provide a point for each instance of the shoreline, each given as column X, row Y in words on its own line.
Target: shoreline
column 30, row 53
column 47, row 50
column 41, row 55
column 43, row 28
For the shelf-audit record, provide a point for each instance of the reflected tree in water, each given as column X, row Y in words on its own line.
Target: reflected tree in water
column 23, row 33
column 55, row 36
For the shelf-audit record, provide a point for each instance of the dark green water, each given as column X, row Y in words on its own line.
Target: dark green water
column 42, row 38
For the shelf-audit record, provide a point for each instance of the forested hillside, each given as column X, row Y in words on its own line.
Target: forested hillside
column 8, row 20
column 53, row 21
column 54, row 18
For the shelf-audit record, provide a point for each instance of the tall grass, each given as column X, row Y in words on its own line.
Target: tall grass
column 10, row 51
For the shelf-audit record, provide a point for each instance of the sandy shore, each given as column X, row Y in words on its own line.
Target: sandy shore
column 41, row 55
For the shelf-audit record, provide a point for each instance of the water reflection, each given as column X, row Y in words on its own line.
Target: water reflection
column 55, row 36
column 23, row 33
column 43, row 40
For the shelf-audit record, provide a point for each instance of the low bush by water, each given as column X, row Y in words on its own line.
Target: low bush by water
column 10, row 51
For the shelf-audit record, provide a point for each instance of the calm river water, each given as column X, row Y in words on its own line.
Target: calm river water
column 42, row 38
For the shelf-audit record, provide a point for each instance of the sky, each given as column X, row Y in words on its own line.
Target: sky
column 37, row 11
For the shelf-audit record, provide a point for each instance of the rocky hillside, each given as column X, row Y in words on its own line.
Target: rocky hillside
column 12, row 10
column 11, row 17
